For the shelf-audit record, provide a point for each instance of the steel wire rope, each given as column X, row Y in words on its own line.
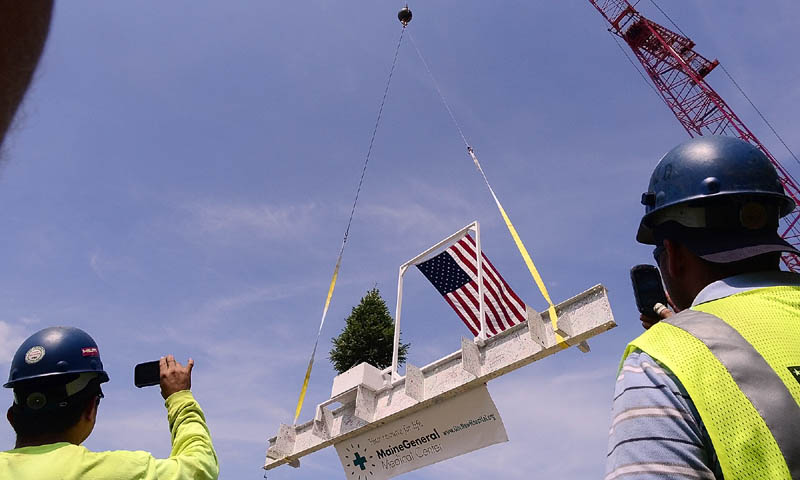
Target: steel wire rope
column 511, row 229
column 438, row 90
column 741, row 90
column 648, row 82
column 736, row 84
column 349, row 224
column 668, row 18
column 374, row 133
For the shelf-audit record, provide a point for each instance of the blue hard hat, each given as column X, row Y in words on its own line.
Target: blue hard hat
column 714, row 171
column 55, row 351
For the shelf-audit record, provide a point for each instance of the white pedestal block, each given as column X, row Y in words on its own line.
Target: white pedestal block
column 362, row 374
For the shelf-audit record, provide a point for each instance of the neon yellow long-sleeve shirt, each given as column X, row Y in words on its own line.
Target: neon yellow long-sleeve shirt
column 192, row 456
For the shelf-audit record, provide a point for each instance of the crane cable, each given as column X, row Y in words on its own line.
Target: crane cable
column 332, row 285
column 738, row 87
column 646, row 81
column 513, row 231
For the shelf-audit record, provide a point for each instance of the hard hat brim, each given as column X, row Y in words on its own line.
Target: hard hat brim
column 101, row 374
column 718, row 245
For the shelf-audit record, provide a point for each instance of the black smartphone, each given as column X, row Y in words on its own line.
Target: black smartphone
column 147, row 374
column 647, row 288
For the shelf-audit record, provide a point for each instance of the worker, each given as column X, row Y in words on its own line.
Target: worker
column 56, row 375
column 23, row 32
column 714, row 390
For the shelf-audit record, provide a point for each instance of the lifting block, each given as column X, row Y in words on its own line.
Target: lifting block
column 415, row 383
column 564, row 325
column 323, row 422
column 470, row 357
column 540, row 329
column 365, row 403
column 284, row 443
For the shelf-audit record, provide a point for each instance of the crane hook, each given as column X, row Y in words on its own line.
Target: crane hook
column 404, row 15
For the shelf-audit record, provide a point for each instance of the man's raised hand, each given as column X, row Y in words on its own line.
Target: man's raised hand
column 174, row 376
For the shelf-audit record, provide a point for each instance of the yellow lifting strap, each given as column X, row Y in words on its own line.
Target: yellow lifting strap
column 347, row 232
column 524, row 252
column 314, row 351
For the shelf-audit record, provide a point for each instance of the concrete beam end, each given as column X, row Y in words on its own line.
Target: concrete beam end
column 415, row 383
column 470, row 357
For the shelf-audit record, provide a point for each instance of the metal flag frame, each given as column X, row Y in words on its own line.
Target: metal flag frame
column 481, row 338
column 472, row 227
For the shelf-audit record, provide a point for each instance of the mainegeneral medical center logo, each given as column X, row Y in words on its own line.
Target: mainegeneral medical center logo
column 407, row 447
column 361, row 463
column 444, row 430
column 359, row 466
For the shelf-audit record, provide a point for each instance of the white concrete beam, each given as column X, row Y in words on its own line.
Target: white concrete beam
column 583, row 316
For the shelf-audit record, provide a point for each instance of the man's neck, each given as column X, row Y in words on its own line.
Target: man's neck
column 45, row 439
column 745, row 282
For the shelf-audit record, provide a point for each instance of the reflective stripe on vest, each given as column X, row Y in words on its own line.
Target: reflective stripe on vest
column 735, row 361
column 754, row 377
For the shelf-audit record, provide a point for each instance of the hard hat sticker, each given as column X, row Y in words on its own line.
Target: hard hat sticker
column 90, row 352
column 34, row 354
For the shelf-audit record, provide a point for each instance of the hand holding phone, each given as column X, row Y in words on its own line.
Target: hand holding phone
column 651, row 300
column 167, row 372
column 174, row 376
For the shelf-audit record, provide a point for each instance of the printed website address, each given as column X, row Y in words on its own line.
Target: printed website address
column 465, row 425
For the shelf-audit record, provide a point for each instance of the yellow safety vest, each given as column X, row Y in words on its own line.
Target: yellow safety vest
column 739, row 359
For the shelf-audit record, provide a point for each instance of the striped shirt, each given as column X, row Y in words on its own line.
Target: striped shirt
column 656, row 432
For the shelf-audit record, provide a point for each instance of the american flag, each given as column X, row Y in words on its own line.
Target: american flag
column 454, row 273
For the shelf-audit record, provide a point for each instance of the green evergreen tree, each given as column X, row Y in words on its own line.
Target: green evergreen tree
column 368, row 336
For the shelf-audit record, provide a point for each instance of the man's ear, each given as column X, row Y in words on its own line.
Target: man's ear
column 676, row 261
column 10, row 416
column 90, row 412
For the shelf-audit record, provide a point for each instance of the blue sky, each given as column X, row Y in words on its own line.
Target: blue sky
column 180, row 176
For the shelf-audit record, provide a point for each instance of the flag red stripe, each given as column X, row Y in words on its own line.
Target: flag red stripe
column 504, row 319
column 489, row 283
column 467, row 307
column 492, row 274
column 469, row 263
column 504, row 283
column 475, row 302
column 500, row 320
column 499, row 298
column 492, row 323
column 516, row 304
column 461, row 315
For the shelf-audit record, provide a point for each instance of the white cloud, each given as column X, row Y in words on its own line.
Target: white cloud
column 11, row 336
column 406, row 217
column 215, row 307
column 94, row 263
column 419, row 206
column 103, row 264
column 557, row 428
column 233, row 221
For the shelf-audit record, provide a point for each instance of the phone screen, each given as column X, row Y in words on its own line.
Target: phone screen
column 647, row 288
column 147, row 374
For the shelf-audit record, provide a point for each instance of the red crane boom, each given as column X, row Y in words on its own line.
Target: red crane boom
column 678, row 73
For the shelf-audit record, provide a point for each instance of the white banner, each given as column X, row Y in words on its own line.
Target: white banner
column 456, row 426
